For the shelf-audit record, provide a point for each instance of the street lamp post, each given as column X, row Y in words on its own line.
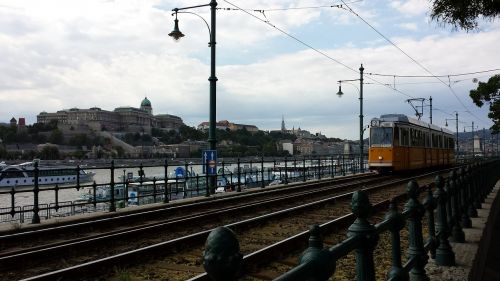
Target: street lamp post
column 176, row 34
column 361, row 129
column 456, row 122
column 472, row 127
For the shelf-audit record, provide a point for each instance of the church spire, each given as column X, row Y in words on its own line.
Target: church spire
column 283, row 128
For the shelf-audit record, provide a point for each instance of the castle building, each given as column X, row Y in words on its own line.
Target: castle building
column 124, row 119
column 226, row 125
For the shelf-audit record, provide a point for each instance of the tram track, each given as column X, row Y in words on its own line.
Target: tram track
column 121, row 223
column 332, row 206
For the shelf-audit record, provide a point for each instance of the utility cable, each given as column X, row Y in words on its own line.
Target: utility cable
column 313, row 48
column 427, row 76
column 411, row 58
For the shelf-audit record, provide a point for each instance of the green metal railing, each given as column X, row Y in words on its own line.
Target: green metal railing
column 448, row 205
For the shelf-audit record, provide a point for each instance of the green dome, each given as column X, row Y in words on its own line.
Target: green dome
column 145, row 102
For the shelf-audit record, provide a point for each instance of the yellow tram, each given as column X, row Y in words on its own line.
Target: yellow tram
column 398, row 143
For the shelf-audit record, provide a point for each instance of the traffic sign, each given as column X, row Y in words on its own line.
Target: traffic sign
column 209, row 161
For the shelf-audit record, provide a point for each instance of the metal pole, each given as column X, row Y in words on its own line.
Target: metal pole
column 430, row 113
column 473, row 152
column 361, row 118
column 484, row 143
column 456, row 119
column 212, row 141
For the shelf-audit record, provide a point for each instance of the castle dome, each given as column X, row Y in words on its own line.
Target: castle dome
column 145, row 102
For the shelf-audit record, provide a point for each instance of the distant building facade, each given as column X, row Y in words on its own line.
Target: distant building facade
column 299, row 133
column 226, row 125
column 127, row 119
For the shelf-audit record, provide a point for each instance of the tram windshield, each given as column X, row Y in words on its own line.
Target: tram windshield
column 381, row 137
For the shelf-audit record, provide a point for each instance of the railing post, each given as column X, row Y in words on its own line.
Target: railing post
column 332, row 175
column 444, row 252
column 36, row 216
column 457, row 234
column 238, row 188
column 78, row 177
column 154, row 191
column 476, row 187
column 165, row 173
column 295, row 169
column 56, row 191
column 304, row 168
column 262, row 184
column 94, row 194
column 396, row 273
column 286, row 170
column 466, row 221
column 112, row 206
column 449, row 198
column 416, row 240
column 430, row 205
column 12, row 202
column 361, row 207
column 472, row 212
column 319, row 167
column 222, row 257
column 323, row 267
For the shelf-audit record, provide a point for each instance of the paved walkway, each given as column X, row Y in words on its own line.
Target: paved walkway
column 465, row 253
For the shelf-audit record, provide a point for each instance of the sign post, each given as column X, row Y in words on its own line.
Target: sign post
column 209, row 162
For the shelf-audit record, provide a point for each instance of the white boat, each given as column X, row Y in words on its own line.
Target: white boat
column 24, row 175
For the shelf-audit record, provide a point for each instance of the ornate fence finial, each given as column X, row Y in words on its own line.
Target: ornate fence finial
column 222, row 257
column 361, row 207
column 444, row 252
column 324, row 268
column 416, row 248
column 396, row 273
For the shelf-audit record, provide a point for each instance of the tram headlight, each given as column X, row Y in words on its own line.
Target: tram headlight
column 380, row 158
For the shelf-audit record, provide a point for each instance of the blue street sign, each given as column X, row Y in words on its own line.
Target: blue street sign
column 209, row 161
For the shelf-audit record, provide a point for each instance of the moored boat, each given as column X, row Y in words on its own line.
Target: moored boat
column 24, row 175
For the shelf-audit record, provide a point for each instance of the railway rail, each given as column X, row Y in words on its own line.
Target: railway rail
column 260, row 228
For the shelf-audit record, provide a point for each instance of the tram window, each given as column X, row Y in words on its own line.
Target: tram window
column 396, row 136
column 405, row 138
column 381, row 136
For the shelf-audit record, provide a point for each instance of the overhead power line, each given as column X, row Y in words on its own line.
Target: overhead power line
column 411, row 58
column 429, row 76
column 247, row 11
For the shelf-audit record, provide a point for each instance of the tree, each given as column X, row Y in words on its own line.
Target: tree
column 489, row 92
column 464, row 13
column 49, row 152
column 56, row 136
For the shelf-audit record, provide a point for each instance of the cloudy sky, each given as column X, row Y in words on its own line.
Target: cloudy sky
column 73, row 53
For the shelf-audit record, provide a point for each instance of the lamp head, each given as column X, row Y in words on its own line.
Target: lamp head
column 176, row 34
column 340, row 94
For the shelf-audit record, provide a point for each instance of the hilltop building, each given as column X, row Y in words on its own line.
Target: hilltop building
column 124, row 119
column 226, row 125
column 299, row 133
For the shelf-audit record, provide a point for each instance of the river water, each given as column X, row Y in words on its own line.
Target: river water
column 24, row 198
column 24, row 195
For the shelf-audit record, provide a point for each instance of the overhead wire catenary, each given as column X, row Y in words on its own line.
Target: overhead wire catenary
column 313, row 48
column 411, row 58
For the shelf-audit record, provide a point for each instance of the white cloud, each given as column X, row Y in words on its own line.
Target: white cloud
column 409, row 26
column 411, row 7
column 63, row 54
